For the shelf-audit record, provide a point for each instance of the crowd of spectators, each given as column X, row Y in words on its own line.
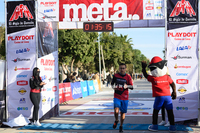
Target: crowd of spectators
column 74, row 77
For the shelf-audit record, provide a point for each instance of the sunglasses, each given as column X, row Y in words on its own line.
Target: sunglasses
column 122, row 68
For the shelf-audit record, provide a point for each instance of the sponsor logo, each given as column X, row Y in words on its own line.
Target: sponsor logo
column 182, row 6
column 84, row 89
column 22, row 100
column 158, row 15
column 22, row 108
column 148, row 15
column 78, row 90
column 91, row 87
column 48, row 17
column 18, row 59
column 54, row 88
column 21, row 69
column 182, row 34
column 48, row 100
column 21, row 76
column 104, row 11
column 158, row 1
column 182, row 100
column 22, row 82
column 43, row 89
column 49, row 89
column 181, row 57
column 44, row 77
column 182, row 90
column 67, row 89
column 149, row 7
column 51, row 78
column 49, row 10
column 159, row 7
column 47, row 62
column 53, row 99
column 44, row 100
column 22, row 50
column 181, row 74
column 19, row 38
column 183, row 48
column 48, row 4
column 182, row 81
column 181, row 108
column 22, row 91
column 176, row 66
column 21, row 11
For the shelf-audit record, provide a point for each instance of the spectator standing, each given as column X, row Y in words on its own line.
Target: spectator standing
column 86, row 75
column 109, row 79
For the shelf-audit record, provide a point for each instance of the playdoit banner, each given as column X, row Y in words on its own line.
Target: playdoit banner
column 50, row 92
column 182, row 55
column 21, row 56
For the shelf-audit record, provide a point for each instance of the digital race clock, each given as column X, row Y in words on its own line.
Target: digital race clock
column 98, row 26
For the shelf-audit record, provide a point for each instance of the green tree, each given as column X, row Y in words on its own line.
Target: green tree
column 116, row 49
column 2, row 42
column 76, row 46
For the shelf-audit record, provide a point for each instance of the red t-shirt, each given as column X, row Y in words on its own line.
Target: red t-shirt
column 119, row 79
column 160, row 85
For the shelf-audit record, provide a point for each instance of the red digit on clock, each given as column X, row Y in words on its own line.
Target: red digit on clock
column 100, row 27
column 87, row 26
column 108, row 26
column 96, row 27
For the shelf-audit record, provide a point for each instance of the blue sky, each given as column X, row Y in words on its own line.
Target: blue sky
column 150, row 41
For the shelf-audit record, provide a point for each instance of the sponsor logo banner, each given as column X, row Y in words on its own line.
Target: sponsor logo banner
column 182, row 55
column 153, row 9
column 49, row 74
column 76, row 90
column 48, row 10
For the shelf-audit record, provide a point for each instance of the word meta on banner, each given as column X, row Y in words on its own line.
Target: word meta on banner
column 98, row 26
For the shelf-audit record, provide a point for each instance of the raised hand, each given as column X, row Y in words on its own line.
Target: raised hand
column 144, row 64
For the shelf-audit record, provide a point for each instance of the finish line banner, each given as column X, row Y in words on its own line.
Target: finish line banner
column 182, row 55
column 123, row 13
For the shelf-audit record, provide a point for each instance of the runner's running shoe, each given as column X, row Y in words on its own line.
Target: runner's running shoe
column 115, row 124
column 120, row 129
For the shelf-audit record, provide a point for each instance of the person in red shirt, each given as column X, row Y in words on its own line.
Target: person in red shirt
column 120, row 84
column 161, row 83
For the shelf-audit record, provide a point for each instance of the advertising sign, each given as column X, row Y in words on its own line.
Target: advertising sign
column 21, row 56
column 76, row 90
column 182, row 55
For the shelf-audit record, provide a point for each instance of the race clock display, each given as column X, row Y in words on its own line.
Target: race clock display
column 98, row 26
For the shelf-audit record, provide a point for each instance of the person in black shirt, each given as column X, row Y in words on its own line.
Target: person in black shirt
column 36, row 84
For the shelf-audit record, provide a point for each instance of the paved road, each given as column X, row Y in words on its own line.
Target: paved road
column 141, row 94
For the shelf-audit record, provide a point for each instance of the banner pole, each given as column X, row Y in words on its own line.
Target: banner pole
column 6, row 107
column 199, row 72
column 99, row 58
